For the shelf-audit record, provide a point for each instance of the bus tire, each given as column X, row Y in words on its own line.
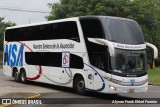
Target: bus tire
column 16, row 75
column 23, row 76
column 79, row 85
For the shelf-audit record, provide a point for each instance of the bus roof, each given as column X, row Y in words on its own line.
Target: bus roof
column 41, row 23
column 69, row 19
column 101, row 17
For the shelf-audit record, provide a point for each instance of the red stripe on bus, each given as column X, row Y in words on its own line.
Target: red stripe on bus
column 35, row 78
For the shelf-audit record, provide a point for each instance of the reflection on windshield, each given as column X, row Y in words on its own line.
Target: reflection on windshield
column 129, row 61
column 123, row 31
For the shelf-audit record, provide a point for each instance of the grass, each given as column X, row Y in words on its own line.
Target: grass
column 154, row 76
column 1, row 66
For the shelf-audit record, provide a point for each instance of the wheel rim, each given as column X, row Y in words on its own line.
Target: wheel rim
column 16, row 75
column 80, row 85
column 23, row 76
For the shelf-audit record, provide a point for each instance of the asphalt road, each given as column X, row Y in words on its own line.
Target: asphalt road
column 60, row 96
column 8, row 86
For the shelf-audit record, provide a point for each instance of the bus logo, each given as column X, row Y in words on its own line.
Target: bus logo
column 14, row 56
column 132, row 81
column 65, row 59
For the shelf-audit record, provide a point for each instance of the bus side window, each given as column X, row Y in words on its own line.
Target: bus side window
column 92, row 28
column 53, row 31
column 12, row 34
column 79, row 62
column 98, row 55
column 46, row 59
column 70, row 31
column 98, row 60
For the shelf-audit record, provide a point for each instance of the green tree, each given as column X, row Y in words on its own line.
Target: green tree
column 3, row 26
column 145, row 12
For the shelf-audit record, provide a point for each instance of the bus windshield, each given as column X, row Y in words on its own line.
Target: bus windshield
column 123, row 31
column 129, row 62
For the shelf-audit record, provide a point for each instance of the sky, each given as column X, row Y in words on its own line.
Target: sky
column 20, row 17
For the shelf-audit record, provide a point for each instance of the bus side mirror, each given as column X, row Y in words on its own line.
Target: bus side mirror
column 154, row 49
column 104, row 42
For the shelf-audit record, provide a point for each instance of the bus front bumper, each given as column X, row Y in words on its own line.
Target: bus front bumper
column 114, row 88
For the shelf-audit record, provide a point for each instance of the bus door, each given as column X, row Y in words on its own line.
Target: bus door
column 98, row 60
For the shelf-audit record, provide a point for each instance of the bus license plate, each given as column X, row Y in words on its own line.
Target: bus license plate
column 131, row 91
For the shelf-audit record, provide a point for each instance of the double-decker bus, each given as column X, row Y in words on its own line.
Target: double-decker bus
column 90, row 53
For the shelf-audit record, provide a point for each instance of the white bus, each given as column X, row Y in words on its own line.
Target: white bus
column 95, row 53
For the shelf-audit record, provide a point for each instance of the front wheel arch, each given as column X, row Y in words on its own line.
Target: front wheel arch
column 79, row 84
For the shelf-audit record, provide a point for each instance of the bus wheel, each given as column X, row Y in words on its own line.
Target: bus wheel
column 23, row 76
column 16, row 75
column 79, row 85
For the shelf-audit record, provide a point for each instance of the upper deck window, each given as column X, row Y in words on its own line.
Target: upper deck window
column 92, row 28
column 61, row 30
column 70, row 31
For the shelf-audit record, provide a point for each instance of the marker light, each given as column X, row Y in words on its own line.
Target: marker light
column 113, row 88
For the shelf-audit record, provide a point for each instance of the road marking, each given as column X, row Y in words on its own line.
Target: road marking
column 35, row 96
column 6, row 105
column 31, row 97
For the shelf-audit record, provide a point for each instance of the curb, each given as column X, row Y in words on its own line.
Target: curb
column 31, row 97
column 153, row 84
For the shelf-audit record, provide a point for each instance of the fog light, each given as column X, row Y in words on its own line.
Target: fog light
column 113, row 88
